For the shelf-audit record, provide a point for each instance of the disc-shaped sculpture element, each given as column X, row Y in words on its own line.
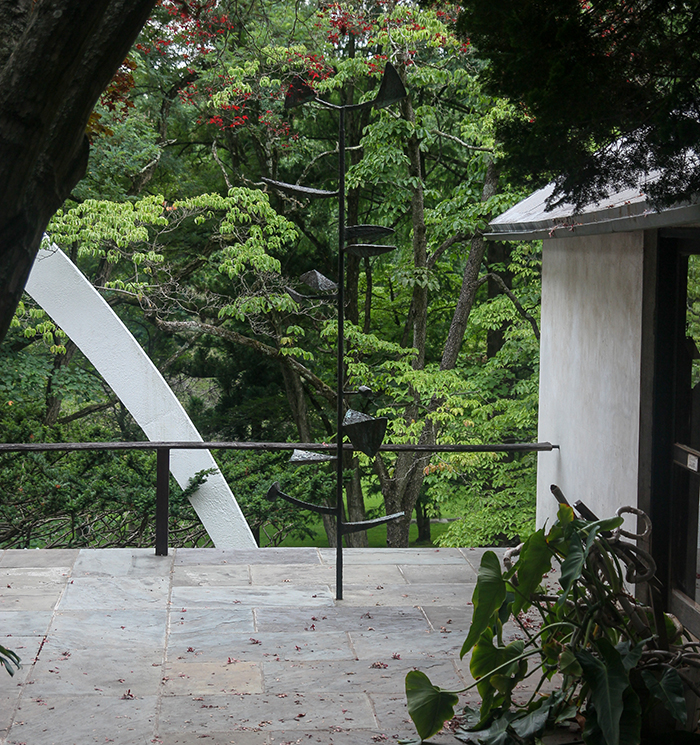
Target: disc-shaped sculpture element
column 300, row 457
column 317, row 281
column 366, row 432
column 299, row 191
column 367, row 231
column 298, row 93
column 368, row 249
column 392, row 89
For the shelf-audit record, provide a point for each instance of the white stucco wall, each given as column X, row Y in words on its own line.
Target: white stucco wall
column 590, row 371
column 73, row 304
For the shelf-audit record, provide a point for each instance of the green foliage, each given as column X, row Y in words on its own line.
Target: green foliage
column 9, row 660
column 197, row 261
column 613, row 663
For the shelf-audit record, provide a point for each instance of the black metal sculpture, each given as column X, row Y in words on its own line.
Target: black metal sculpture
column 366, row 433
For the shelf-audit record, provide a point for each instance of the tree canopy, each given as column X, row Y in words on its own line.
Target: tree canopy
column 607, row 92
column 174, row 224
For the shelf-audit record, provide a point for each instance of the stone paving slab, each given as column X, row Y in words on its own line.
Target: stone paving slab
column 114, row 593
column 408, row 595
column 278, row 556
column 115, row 562
column 228, row 575
column 39, row 557
column 61, row 671
column 343, row 618
column 224, row 597
column 189, row 626
column 258, row 647
column 23, row 623
column 183, row 677
column 132, row 629
column 355, row 675
column 227, row 647
column 399, row 556
column 352, row 574
column 80, row 720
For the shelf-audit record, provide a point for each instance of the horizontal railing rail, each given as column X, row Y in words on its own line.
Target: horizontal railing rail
column 163, row 459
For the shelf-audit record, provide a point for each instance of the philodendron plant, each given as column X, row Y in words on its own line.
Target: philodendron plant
column 617, row 660
column 9, row 659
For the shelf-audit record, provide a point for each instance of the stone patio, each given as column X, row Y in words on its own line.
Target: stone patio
column 221, row 647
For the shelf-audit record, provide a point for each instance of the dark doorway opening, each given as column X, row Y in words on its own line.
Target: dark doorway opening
column 675, row 483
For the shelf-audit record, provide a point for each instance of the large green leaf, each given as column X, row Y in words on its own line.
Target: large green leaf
column 498, row 670
column 608, row 680
column 525, row 726
column 8, row 659
column 428, row 706
column 535, row 559
column 631, row 719
column 495, row 734
column 669, row 690
column 487, row 658
column 571, row 567
column 630, row 657
column 488, row 596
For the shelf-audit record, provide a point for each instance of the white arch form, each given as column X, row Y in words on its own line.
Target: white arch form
column 64, row 292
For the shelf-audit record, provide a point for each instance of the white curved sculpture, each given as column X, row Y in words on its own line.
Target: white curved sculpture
column 64, row 292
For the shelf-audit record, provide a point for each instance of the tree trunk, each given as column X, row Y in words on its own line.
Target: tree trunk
column 402, row 489
column 356, row 506
column 470, row 283
column 53, row 397
column 497, row 258
column 422, row 520
column 56, row 58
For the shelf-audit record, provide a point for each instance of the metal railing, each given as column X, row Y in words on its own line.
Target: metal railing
column 163, row 460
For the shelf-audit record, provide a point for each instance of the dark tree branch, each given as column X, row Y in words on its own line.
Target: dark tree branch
column 233, row 336
column 527, row 316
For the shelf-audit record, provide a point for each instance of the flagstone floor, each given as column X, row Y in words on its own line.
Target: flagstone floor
column 218, row 647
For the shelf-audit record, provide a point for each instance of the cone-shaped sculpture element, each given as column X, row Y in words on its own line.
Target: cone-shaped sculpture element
column 367, row 231
column 300, row 457
column 299, row 298
column 392, row 89
column 273, row 492
column 298, row 93
column 368, row 249
column 299, row 191
column 317, row 281
column 366, row 432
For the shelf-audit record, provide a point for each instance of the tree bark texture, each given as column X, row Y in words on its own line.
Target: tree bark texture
column 470, row 283
column 56, row 58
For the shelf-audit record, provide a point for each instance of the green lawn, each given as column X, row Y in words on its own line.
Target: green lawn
column 377, row 537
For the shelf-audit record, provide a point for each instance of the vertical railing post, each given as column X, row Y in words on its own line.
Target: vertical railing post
column 162, row 500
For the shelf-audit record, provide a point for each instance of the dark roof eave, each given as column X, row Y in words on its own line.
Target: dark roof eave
column 594, row 223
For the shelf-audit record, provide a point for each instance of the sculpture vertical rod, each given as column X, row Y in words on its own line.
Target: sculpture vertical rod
column 341, row 356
